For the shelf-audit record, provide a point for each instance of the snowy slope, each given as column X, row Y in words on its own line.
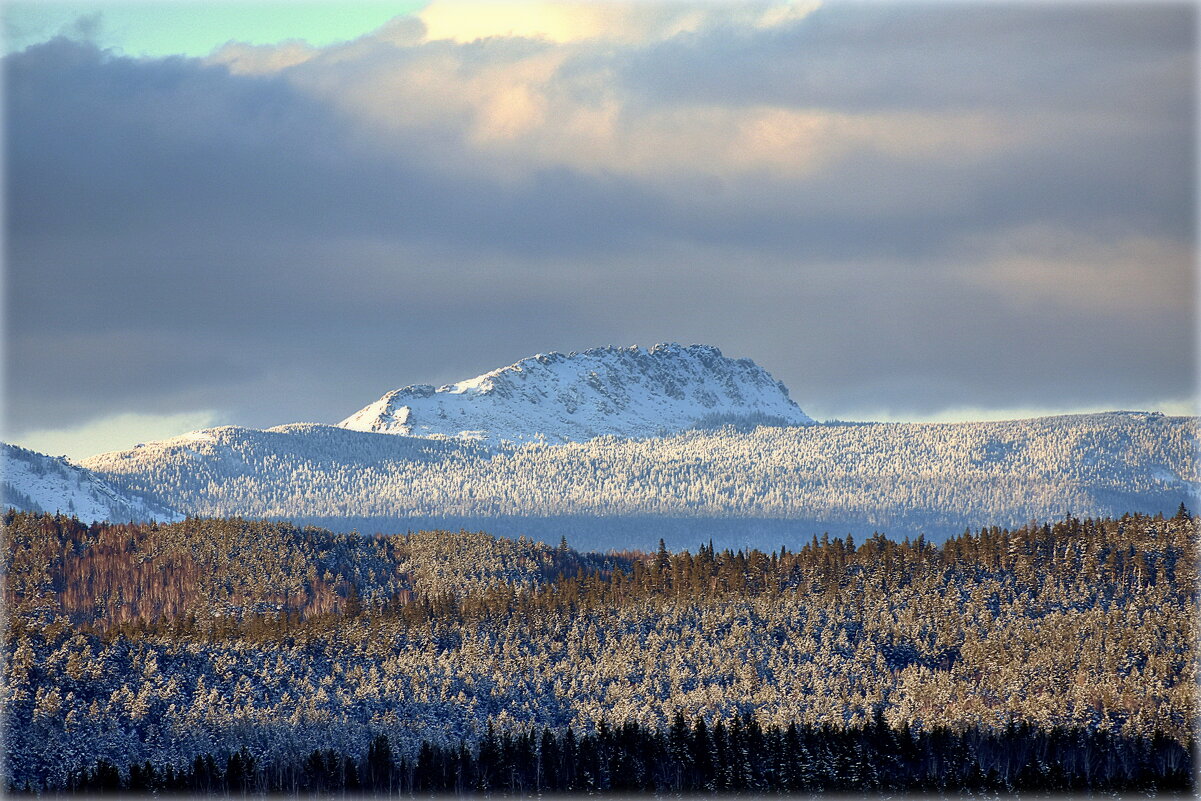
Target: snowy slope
column 35, row 482
column 770, row 485
column 528, row 442
column 625, row 392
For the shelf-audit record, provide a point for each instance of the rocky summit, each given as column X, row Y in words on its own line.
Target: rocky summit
column 555, row 397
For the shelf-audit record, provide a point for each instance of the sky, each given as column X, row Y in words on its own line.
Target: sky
column 245, row 214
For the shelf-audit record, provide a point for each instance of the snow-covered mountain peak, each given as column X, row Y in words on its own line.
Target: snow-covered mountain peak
column 572, row 397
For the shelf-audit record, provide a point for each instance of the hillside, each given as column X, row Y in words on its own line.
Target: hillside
column 1056, row 656
column 111, row 575
column 765, row 486
column 35, row 482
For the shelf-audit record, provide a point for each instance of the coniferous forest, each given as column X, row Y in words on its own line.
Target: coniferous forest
column 230, row 656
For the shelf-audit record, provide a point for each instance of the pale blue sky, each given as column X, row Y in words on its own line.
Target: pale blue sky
column 190, row 28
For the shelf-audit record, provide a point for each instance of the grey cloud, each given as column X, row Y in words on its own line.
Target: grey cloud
column 1104, row 94
column 912, row 56
column 183, row 238
column 167, row 149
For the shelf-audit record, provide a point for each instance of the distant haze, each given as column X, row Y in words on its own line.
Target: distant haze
column 900, row 211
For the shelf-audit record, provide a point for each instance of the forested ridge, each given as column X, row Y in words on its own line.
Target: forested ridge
column 224, row 653
column 726, row 484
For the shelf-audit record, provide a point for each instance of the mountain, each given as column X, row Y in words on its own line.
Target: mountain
column 765, row 486
column 38, row 483
column 619, row 447
column 555, row 397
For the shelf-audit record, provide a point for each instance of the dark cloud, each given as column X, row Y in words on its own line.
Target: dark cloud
column 182, row 238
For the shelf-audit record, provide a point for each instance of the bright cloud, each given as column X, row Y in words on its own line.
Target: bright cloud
column 119, row 432
column 555, row 102
column 624, row 22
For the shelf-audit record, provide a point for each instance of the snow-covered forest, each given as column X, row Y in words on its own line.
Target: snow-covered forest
column 38, row 483
column 207, row 639
column 756, row 487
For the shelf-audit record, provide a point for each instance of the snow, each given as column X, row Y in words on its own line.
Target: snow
column 38, row 482
column 607, row 433
column 740, row 484
column 626, row 392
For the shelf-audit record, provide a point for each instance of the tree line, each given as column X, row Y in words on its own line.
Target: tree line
column 741, row 757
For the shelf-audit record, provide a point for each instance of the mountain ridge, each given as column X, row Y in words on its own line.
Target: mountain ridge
column 766, row 486
column 36, row 482
column 624, row 446
column 609, row 391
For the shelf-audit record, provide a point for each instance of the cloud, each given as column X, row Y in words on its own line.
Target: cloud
column 1048, row 270
column 538, row 104
column 250, row 59
column 118, row 432
column 985, row 105
column 1174, row 407
column 931, row 208
column 622, row 22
